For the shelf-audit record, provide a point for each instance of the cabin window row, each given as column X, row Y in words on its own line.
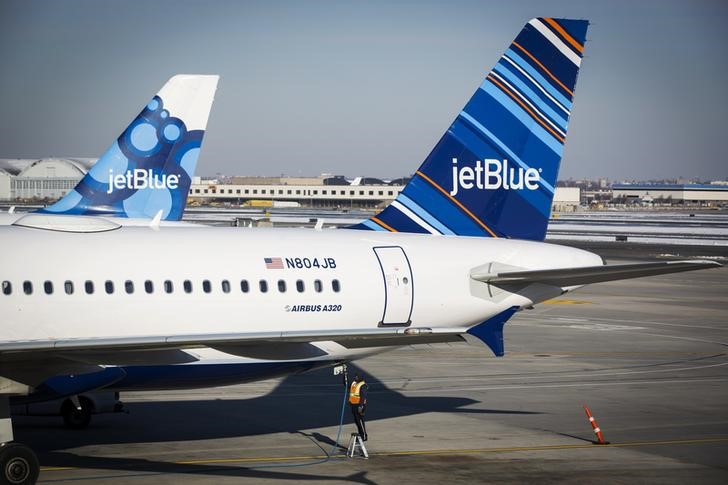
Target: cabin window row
column 168, row 286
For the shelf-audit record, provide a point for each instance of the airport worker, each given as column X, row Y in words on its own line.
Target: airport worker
column 358, row 402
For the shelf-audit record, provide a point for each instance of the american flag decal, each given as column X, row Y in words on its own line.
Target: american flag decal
column 273, row 263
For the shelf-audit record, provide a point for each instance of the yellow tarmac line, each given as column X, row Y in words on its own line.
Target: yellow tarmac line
column 567, row 302
column 440, row 452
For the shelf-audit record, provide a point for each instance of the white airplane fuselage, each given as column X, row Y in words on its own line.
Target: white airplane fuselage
column 436, row 290
column 402, row 280
column 383, row 279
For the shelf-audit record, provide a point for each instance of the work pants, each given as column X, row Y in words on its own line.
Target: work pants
column 359, row 421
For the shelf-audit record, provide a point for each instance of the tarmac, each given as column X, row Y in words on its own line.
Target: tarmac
column 648, row 356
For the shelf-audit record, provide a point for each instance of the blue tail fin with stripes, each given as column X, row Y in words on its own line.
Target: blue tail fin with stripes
column 150, row 166
column 493, row 173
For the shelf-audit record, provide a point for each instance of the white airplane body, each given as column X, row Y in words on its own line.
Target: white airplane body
column 88, row 303
column 437, row 291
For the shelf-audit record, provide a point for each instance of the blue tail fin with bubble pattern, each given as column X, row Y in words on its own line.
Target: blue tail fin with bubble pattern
column 150, row 166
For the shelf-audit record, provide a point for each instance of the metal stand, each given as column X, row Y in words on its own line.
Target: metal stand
column 356, row 444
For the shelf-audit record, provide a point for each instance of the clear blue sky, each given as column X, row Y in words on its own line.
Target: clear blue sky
column 361, row 88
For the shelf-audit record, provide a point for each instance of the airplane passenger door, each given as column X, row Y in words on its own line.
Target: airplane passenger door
column 398, row 285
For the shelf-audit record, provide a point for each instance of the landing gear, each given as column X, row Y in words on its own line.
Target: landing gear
column 18, row 463
column 77, row 415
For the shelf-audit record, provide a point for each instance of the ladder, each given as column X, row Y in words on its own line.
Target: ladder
column 356, row 444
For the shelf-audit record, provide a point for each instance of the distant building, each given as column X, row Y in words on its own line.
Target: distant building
column 317, row 192
column 366, row 192
column 40, row 179
column 566, row 199
column 687, row 194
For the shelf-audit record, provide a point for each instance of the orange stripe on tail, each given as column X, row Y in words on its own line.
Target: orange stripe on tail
column 543, row 67
column 565, row 35
column 533, row 115
column 434, row 184
column 381, row 223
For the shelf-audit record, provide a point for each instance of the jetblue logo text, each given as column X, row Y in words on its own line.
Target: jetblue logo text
column 140, row 178
column 493, row 174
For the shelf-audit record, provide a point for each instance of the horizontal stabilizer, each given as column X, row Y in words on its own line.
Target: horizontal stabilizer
column 564, row 277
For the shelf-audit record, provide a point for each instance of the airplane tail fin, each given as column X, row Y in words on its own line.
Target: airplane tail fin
column 150, row 166
column 493, row 173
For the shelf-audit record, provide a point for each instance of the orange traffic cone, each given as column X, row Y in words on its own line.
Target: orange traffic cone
column 595, row 427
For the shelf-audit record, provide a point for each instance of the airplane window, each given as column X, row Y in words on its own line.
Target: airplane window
column 129, row 286
column 148, row 286
column 244, row 287
column 187, row 285
column 27, row 287
column 225, row 286
column 299, row 286
column 263, row 286
column 336, row 286
column 206, row 286
column 68, row 286
column 318, row 286
column 282, row 286
column 168, row 286
column 109, row 286
column 48, row 287
column 7, row 288
column 89, row 287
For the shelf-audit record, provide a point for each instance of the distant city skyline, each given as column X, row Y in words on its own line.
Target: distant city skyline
column 358, row 88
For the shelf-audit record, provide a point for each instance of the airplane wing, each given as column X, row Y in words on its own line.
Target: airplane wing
column 31, row 362
column 25, row 360
column 564, row 277
column 147, row 343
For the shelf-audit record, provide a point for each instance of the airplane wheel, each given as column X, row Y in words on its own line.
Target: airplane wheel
column 74, row 418
column 19, row 465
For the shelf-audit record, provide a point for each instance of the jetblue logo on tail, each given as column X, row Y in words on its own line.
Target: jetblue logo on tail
column 142, row 179
column 491, row 174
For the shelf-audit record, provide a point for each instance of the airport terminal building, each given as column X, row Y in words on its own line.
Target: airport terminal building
column 325, row 192
column 683, row 194
column 43, row 179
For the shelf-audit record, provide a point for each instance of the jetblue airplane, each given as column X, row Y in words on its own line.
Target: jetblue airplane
column 146, row 173
column 455, row 256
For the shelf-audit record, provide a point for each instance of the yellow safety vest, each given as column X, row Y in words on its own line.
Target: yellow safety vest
column 354, row 392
